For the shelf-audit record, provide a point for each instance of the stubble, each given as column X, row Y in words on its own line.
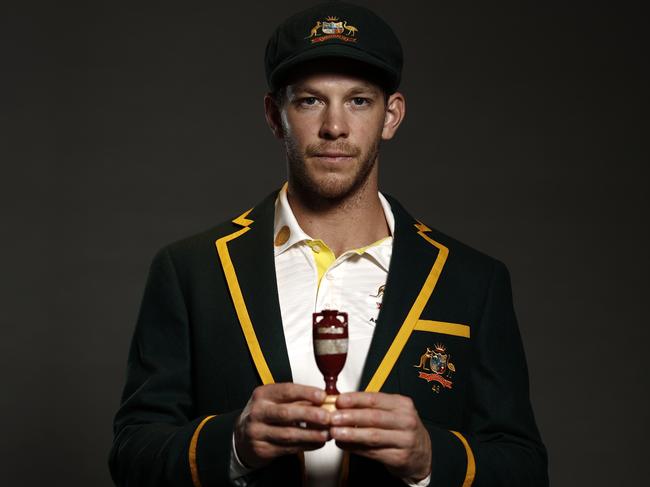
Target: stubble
column 318, row 188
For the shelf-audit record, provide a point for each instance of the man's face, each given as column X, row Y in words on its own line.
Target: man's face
column 331, row 124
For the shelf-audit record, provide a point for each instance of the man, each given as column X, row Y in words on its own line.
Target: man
column 222, row 385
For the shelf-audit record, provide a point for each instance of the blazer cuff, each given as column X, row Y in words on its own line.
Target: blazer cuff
column 210, row 450
column 238, row 471
column 452, row 460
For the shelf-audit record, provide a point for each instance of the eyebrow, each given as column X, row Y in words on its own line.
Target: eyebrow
column 356, row 90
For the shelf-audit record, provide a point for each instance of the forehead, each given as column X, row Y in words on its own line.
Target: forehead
column 332, row 83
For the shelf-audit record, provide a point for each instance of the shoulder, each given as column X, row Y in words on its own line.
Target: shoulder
column 461, row 261
column 199, row 251
column 465, row 255
column 468, row 268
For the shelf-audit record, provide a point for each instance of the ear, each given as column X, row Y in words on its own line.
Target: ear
column 272, row 113
column 395, row 113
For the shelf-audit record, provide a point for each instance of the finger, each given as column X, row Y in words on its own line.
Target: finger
column 398, row 461
column 370, row 437
column 387, row 456
column 373, row 400
column 289, row 392
column 293, row 436
column 375, row 418
column 292, row 414
column 269, row 451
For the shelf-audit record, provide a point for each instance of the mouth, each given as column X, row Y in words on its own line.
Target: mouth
column 333, row 156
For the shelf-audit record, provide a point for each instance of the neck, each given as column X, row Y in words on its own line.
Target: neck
column 348, row 223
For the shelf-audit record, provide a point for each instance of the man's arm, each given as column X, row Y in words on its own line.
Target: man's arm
column 157, row 423
column 501, row 429
column 159, row 439
column 499, row 445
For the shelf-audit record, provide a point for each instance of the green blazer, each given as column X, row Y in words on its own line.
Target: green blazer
column 210, row 330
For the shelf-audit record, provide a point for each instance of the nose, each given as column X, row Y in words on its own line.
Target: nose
column 334, row 124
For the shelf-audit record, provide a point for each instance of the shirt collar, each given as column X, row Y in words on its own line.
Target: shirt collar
column 287, row 231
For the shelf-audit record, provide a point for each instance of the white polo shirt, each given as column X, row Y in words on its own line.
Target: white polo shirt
column 310, row 278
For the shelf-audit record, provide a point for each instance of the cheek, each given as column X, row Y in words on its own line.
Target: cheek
column 372, row 123
column 298, row 130
column 370, row 132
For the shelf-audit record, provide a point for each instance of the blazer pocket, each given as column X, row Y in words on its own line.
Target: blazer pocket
column 434, row 367
column 443, row 327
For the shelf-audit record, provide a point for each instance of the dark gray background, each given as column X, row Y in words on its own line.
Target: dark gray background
column 127, row 127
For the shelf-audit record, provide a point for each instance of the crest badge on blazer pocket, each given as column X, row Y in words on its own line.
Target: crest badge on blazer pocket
column 436, row 366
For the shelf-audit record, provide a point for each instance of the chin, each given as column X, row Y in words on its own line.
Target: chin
column 316, row 182
column 332, row 187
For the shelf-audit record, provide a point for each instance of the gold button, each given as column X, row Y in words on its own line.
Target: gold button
column 282, row 236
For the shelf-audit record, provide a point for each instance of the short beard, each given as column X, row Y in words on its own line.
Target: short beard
column 329, row 191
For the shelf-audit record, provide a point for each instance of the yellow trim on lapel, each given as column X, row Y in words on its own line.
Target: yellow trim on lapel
column 470, row 473
column 238, row 299
column 443, row 327
column 194, row 469
column 388, row 362
column 242, row 221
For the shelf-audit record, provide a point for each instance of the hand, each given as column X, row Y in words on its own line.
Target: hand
column 386, row 428
column 280, row 419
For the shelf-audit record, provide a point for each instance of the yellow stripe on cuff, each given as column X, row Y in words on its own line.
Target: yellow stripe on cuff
column 443, row 327
column 194, row 470
column 471, row 465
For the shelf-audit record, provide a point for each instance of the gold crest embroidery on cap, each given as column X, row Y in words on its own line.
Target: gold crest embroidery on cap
column 283, row 236
column 332, row 28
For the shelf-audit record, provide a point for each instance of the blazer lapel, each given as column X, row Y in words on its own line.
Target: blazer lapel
column 415, row 266
column 248, row 262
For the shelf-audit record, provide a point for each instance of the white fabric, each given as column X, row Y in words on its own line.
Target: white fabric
column 348, row 285
column 351, row 284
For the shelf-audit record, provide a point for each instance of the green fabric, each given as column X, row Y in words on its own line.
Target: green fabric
column 189, row 359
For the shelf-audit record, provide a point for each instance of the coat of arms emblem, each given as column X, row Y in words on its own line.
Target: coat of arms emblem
column 332, row 28
column 439, row 366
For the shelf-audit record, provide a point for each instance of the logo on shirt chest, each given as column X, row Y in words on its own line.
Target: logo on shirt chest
column 379, row 295
column 437, row 362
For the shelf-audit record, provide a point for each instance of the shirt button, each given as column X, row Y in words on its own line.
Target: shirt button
column 316, row 248
column 329, row 276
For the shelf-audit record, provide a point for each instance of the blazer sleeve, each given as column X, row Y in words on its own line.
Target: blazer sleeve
column 501, row 445
column 158, row 438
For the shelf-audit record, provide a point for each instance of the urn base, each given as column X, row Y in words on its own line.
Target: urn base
column 330, row 403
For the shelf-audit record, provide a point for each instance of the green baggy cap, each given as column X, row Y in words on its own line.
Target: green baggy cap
column 334, row 30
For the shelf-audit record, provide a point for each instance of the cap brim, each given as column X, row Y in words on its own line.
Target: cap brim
column 390, row 76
